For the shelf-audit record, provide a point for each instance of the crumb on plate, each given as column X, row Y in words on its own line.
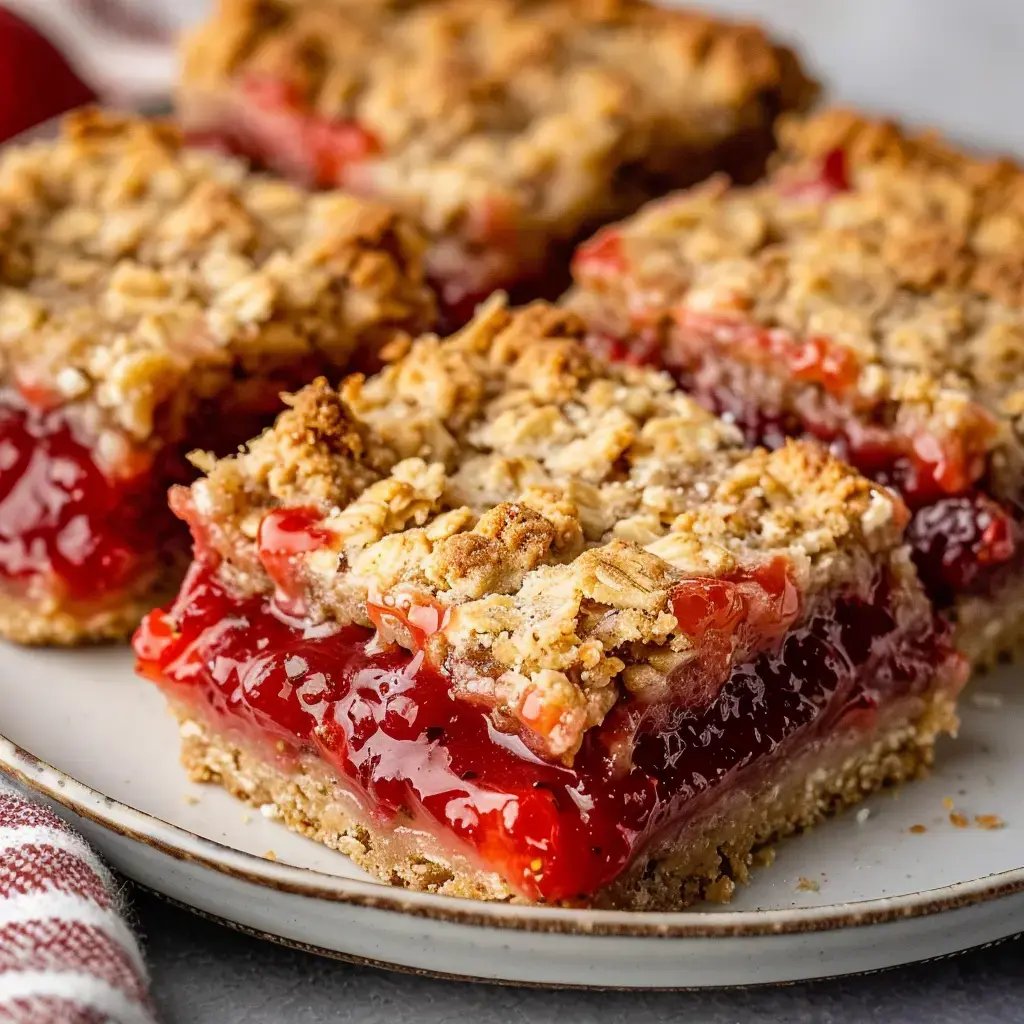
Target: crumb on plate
column 989, row 821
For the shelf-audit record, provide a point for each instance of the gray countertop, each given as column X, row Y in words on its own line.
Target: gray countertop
column 204, row 973
column 954, row 63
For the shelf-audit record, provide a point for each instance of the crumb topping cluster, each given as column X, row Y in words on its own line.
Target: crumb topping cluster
column 913, row 266
column 491, row 115
column 138, row 277
column 546, row 505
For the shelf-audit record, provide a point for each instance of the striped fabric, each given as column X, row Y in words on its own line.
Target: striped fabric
column 67, row 955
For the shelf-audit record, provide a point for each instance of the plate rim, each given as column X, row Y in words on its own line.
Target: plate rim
column 423, row 972
column 177, row 842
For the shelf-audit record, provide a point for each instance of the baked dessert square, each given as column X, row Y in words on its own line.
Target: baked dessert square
column 155, row 298
column 869, row 294
column 507, row 621
column 509, row 128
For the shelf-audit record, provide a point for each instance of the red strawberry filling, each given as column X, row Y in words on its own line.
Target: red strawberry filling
column 70, row 530
column 274, row 128
column 285, row 534
column 388, row 725
column 745, row 611
column 83, row 530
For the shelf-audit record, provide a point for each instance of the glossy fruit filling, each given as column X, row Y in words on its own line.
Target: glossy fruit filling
column 386, row 722
column 831, row 177
column 83, row 531
column 70, row 530
column 273, row 128
column 965, row 545
column 284, row 535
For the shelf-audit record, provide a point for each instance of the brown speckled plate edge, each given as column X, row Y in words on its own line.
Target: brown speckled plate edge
column 173, row 841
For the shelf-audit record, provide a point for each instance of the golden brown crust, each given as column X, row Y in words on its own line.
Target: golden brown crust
column 550, row 502
column 138, row 277
column 539, row 114
column 48, row 621
column 914, row 272
column 966, row 211
column 705, row 861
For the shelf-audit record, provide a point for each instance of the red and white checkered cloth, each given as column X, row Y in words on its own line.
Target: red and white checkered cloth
column 67, row 955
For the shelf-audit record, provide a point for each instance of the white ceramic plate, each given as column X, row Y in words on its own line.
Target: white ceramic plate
column 885, row 896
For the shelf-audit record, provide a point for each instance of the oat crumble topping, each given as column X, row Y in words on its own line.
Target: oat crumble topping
column 138, row 276
column 498, row 114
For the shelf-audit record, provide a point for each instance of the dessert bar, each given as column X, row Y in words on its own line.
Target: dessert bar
column 509, row 128
column 868, row 294
column 152, row 299
column 510, row 622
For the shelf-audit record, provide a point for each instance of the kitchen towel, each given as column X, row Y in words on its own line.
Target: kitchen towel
column 67, row 954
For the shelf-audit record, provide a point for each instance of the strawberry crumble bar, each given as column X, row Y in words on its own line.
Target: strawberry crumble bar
column 869, row 294
column 153, row 298
column 507, row 621
column 509, row 128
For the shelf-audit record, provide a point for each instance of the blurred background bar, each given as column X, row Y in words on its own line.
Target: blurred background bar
column 949, row 62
